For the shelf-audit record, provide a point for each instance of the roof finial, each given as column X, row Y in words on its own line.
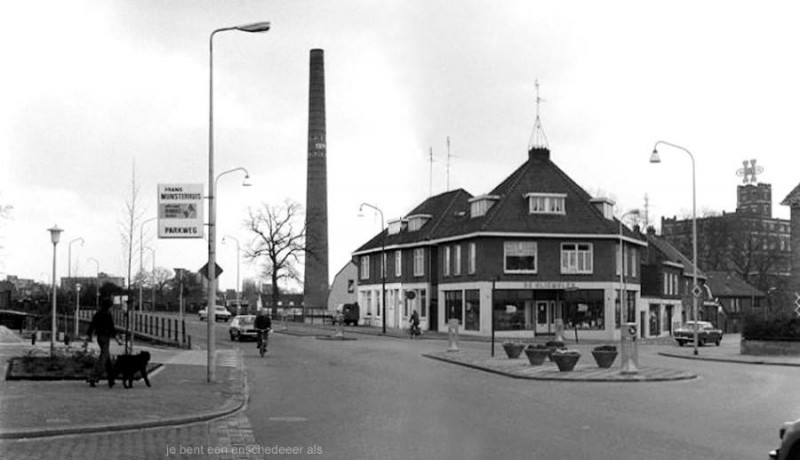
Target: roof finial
column 538, row 138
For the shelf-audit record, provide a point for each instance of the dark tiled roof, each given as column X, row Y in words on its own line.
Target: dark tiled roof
column 672, row 254
column 726, row 284
column 793, row 198
column 510, row 213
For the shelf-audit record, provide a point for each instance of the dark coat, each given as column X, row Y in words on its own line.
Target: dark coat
column 102, row 324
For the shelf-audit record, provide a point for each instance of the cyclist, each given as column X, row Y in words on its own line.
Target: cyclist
column 414, row 321
column 263, row 325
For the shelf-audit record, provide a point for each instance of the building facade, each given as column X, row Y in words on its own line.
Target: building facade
column 535, row 253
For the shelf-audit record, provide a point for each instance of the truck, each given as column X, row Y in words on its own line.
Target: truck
column 349, row 312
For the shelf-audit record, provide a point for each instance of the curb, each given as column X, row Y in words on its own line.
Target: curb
column 566, row 378
column 728, row 360
column 236, row 403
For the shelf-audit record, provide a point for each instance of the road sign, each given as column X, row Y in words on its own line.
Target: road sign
column 697, row 291
column 180, row 210
column 204, row 270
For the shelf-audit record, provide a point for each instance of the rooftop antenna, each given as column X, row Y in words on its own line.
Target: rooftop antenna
column 430, row 174
column 448, row 162
column 538, row 138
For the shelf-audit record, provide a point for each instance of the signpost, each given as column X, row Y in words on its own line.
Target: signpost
column 180, row 211
column 797, row 302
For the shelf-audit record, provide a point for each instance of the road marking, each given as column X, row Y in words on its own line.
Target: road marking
column 288, row 419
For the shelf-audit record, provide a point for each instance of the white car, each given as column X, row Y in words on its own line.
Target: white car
column 220, row 314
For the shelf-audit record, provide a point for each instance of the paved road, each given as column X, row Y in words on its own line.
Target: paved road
column 378, row 398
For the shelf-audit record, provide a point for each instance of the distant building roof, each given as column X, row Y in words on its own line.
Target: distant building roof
column 727, row 284
column 793, row 198
column 672, row 254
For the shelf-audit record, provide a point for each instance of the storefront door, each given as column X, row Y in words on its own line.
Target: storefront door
column 545, row 316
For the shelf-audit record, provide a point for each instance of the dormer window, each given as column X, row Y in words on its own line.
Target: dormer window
column 416, row 222
column 480, row 205
column 546, row 203
column 605, row 206
column 396, row 225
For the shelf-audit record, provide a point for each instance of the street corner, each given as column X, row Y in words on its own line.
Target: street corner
column 585, row 371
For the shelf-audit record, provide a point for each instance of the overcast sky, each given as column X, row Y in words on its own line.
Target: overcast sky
column 87, row 88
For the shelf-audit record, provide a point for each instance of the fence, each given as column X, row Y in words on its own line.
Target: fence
column 155, row 328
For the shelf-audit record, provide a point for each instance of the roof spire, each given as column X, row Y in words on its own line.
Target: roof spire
column 538, row 138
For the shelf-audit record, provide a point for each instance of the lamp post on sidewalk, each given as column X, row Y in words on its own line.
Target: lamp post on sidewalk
column 623, row 301
column 55, row 235
column 69, row 277
column 238, row 266
column 212, row 263
column 655, row 158
column 97, row 285
column 383, row 260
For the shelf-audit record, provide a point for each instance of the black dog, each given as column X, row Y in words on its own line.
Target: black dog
column 128, row 366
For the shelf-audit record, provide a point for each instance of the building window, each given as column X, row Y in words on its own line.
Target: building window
column 365, row 267
column 453, row 305
column 546, row 203
column 457, row 261
column 416, row 222
column 383, row 265
column 471, row 256
column 480, row 205
column 368, row 302
column 446, row 267
column 519, row 256
column 398, row 263
column 576, row 258
column 423, row 303
column 472, row 310
column 419, row 262
column 585, row 309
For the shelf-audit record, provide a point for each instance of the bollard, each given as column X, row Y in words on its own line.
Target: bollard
column 452, row 331
column 559, row 330
column 630, row 349
column 339, row 326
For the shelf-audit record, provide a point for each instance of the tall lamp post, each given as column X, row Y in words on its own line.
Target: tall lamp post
column 383, row 261
column 622, row 292
column 141, row 271
column 655, row 158
column 69, row 277
column 55, row 235
column 238, row 266
column 212, row 263
column 97, row 286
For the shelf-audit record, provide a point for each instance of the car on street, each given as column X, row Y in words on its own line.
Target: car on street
column 243, row 327
column 220, row 314
column 789, row 448
column 706, row 333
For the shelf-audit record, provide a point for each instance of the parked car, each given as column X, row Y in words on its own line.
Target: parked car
column 220, row 314
column 243, row 327
column 350, row 314
column 789, row 448
column 706, row 333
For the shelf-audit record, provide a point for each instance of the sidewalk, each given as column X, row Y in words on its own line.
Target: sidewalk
column 728, row 352
column 179, row 395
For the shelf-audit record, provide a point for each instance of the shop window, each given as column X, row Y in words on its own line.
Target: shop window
column 585, row 310
column 453, row 305
column 520, row 256
column 472, row 310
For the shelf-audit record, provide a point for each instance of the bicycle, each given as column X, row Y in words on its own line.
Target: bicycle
column 263, row 338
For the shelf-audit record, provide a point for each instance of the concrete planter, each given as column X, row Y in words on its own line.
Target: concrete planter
column 513, row 350
column 537, row 356
column 565, row 361
column 604, row 359
column 769, row 347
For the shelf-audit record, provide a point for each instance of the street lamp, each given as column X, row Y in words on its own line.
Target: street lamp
column 69, row 274
column 97, row 285
column 212, row 263
column 622, row 291
column 55, row 235
column 383, row 260
column 141, row 271
column 655, row 158
column 238, row 265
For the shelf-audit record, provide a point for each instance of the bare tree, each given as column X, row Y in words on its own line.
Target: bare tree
column 131, row 216
column 160, row 279
column 278, row 241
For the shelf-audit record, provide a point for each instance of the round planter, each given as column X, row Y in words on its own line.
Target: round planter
column 537, row 355
column 604, row 359
column 565, row 362
column 513, row 350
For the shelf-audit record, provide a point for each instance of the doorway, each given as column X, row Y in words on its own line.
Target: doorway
column 545, row 316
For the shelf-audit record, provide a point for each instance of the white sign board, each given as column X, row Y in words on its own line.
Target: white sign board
column 180, row 210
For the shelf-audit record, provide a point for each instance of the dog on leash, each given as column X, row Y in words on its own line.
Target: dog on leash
column 128, row 366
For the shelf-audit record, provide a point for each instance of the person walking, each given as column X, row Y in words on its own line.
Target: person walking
column 414, row 324
column 102, row 325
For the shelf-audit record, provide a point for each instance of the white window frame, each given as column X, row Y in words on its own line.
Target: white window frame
column 419, row 262
column 522, row 248
column 383, row 265
column 365, row 267
column 471, row 256
column 577, row 258
column 446, row 268
column 398, row 263
column 547, row 203
column 457, row 261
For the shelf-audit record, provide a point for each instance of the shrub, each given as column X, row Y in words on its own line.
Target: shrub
column 777, row 328
column 605, row 348
column 555, row 344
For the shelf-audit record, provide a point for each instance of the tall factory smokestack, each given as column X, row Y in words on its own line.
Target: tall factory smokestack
column 315, row 289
